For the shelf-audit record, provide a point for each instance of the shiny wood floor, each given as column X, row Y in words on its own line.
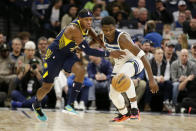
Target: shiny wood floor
column 92, row 121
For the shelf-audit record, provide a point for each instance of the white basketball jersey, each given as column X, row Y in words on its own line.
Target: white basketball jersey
column 129, row 56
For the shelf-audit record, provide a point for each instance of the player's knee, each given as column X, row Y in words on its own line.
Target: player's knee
column 112, row 95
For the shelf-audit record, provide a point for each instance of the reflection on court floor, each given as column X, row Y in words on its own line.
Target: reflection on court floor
column 25, row 120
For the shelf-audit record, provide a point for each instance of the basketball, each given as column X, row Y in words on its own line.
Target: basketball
column 121, row 82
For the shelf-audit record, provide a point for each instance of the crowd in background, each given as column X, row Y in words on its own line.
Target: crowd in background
column 172, row 56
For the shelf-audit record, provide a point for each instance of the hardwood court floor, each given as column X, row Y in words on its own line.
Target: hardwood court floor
column 58, row 121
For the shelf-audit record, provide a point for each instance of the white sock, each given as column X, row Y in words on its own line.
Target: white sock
column 134, row 104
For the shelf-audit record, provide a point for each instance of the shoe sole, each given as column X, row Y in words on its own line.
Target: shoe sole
column 121, row 120
column 68, row 112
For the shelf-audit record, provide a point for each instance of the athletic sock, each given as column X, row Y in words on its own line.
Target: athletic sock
column 75, row 90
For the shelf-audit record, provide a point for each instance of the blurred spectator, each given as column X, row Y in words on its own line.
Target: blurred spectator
column 141, row 4
column 50, row 40
column 134, row 13
column 91, row 3
column 118, row 5
column 42, row 47
column 190, row 28
column 68, row 3
column 7, row 72
column 140, row 85
column 70, row 16
column 22, row 65
column 114, row 9
column 188, row 15
column 169, row 55
column 39, row 8
column 193, row 53
column 143, row 17
column 181, row 69
column 24, row 36
column 164, row 42
column 137, row 39
column 2, row 39
column 16, row 49
column 122, row 21
column 189, row 102
column 178, row 25
column 151, row 34
column 53, row 18
column 96, row 24
column 161, row 72
column 182, row 43
column 167, row 32
column 60, row 85
column 3, row 96
column 161, row 14
column 99, row 70
column 27, row 86
column 181, row 8
column 146, row 48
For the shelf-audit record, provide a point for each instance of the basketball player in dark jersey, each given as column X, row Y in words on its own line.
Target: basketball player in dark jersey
column 131, row 64
column 61, row 54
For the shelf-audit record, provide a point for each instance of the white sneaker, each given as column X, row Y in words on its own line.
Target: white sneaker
column 76, row 106
column 58, row 104
column 82, row 106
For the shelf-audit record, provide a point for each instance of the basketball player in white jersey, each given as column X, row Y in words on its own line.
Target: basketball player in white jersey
column 131, row 64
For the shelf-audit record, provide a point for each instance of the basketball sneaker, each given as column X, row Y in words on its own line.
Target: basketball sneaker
column 70, row 109
column 135, row 114
column 121, row 117
column 38, row 111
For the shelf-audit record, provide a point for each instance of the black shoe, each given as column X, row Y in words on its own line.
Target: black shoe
column 135, row 114
column 38, row 111
column 121, row 117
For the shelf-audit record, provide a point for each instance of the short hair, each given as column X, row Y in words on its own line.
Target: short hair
column 85, row 13
column 98, row 6
column 16, row 39
column 108, row 20
column 42, row 38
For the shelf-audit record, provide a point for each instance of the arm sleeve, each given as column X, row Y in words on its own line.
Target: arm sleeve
column 89, row 51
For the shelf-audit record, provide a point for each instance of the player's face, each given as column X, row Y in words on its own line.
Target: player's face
column 86, row 22
column 108, row 30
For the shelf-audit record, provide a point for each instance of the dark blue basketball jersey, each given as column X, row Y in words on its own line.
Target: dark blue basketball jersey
column 63, row 44
column 61, row 54
column 114, row 45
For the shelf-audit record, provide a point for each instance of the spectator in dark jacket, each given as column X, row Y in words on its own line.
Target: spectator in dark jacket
column 53, row 18
column 161, row 14
column 160, row 72
column 190, row 28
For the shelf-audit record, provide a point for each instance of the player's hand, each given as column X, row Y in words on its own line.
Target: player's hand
column 153, row 86
column 117, row 54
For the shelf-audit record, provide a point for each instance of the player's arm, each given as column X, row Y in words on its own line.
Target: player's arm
column 95, row 37
column 78, row 38
column 126, row 43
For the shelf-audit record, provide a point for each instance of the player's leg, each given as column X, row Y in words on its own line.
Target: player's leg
column 130, row 69
column 119, row 102
column 76, row 67
column 51, row 70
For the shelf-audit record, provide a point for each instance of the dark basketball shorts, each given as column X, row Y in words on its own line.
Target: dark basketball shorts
column 55, row 63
